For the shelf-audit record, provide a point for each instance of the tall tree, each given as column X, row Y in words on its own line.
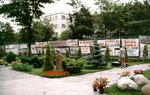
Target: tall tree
column 81, row 20
column 24, row 12
column 6, row 34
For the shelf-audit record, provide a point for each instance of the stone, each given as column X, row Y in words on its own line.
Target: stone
column 140, row 79
column 126, row 83
column 59, row 66
column 146, row 89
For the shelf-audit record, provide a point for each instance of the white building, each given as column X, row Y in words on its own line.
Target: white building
column 60, row 22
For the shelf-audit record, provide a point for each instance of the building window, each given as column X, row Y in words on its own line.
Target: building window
column 63, row 26
column 63, row 17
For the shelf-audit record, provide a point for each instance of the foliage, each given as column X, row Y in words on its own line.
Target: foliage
column 95, row 60
column 81, row 20
column 72, row 65
column 67, row 34
column 34, row 60
column 22, row 67
column 100, row 84
column 79, row 53
column 107, row 55
column 145, row 53
column 49, row 59
column 24, row 12
column 126, row 55
column 6, row 34
column 10, row 57
column 2, row 52
column 67, row 55
column 43, row 30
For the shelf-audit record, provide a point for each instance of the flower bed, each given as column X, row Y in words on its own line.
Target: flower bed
column 55, row 74
column 100, row 84
column 137, row 71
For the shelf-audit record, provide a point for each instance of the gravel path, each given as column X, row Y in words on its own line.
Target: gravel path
column 18, row 83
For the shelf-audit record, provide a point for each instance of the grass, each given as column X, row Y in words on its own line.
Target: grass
column 114, row 90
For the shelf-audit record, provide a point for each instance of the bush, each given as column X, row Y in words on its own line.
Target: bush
column 2, row 52
column 145, row 53
column 107, row 55
column 79, row 53
column 34, row 60
column 72, row 65
column 49, row 59
column 22, row 67
column 10, row 57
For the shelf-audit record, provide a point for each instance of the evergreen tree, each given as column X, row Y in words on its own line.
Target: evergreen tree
column 107, row 55
column 126, row 55
column 49, row 59
column 96, row 60
column 79, row 53
column 67, row 53
column 145, row 53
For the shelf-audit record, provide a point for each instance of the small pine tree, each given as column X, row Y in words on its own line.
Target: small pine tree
column 107, row 55
column 145, row 53
column 49, row 59
column 67, row 54
column 79, row 53
column 126, row 55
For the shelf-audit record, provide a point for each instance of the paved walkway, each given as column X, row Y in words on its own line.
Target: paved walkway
column 18, row 83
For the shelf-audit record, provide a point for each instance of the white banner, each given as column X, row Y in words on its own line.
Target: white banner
column 74, row 50
column 132, row 46
column 61, row 50
column 114, row 45
column 85, row 50
column 102, row 43
column 72, row 43
column 40, row 44
column 86, row 43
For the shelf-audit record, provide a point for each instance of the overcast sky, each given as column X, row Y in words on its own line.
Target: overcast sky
column 61, row 6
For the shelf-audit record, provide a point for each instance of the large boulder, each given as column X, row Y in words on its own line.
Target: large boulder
column 140, row 79
column 126, row 83
column 146, row 89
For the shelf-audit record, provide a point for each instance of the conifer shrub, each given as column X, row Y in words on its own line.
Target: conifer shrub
column 79, row 53
column 145, row 53
column 107, row 55
column 48, row 60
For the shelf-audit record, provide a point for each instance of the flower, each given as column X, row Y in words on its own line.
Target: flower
column 55, row 73
column 148, row 65
column 137, row 71
column 100, row 83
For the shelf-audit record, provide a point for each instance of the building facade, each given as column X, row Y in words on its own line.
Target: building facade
column 60, row 22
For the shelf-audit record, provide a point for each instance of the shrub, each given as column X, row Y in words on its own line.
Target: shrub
column 22, row 67
column 67, row 55
column 107, row 55
column 145, row 53
column 72, row 65
column 79, row 53
column 49, row 59
column 2, row 52
column 25, row 59
column 126, row 55
column 10, row 57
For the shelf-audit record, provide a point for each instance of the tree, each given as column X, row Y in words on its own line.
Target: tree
column 6, row 34
column 81, row 21
column 79, row 53
column 24, row 12
column 43, row 30
column 107, row 55
column 66, row 35
column 145, row 53
column 49, row 59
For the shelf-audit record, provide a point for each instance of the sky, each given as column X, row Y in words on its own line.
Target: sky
column 57, row 7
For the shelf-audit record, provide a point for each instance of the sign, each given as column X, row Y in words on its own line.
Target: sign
column 132, row 46
column 40, row 44
column 86, row 43
column 58, row 43
column 144, row 39
column 21, row 46
column 102, row 43
column 72, row 43
column 61, row 50
column 74, row 50
column 85, row 50
column 142, row 48
column 114, row 45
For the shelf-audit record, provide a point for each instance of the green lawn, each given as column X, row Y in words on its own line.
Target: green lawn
column 114, row 90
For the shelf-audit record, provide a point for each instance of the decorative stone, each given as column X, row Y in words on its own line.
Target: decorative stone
column 59, row 66
column 126, row 83
column 140, row 79
column 146, row 90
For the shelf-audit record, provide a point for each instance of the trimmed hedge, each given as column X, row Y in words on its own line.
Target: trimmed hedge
column 22, row 67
